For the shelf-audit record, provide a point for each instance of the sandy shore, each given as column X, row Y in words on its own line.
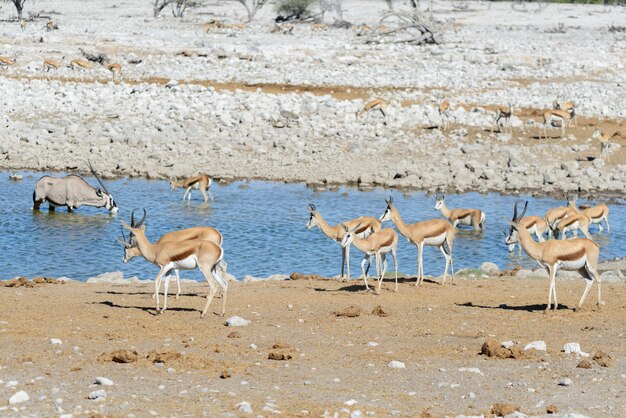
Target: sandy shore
column 249, row 103
column 337, row 365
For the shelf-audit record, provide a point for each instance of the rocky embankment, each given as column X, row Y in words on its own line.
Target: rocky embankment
column 186, row 104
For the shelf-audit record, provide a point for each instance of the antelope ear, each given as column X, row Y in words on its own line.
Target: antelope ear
column 126, row 226
column 345, row 228
column 356, row 227
column 124, row 243
column 99, row 192
column 513, row 224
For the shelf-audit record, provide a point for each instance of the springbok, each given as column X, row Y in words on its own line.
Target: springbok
column 443, row 107
column 504, row 113
column 473, row 217
column 434, row 232
column 364, row 227
column 201, row 182
column 6, row 61
column 116, row 71
column 534, row 225
column 568, row 106
column 376, row 244
column 200, row 233
column 186, row 255
column 372, row 105
column 597, row 214
column 82, row 64
column 554, row 215
column 551, row 116
column 72, row 191
column 49, row 64
column 574, row 221
column 579, row 254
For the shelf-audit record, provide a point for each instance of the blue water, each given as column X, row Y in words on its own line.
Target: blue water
column 263, row 226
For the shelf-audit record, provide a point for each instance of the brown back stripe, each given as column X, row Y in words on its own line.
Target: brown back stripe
column 568, row 221
column 463, row 213
column 531, row 223
column 183, row 255
column 443, row 227
column 573, row 256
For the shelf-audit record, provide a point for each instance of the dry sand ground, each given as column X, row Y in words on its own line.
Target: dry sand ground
column 434, row 330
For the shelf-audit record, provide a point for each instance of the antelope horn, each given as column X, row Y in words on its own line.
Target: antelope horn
column 97, row 177
column 523, row 212
column 515, row 211
column 123, row 242
column 143, row 218
column 132, row 218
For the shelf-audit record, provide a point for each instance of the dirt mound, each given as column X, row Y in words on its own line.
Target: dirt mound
column 163, row 357
column 492, row 348
column 349, row 312
column 602, row 359
column 379, row 311
column 299, row 276
column 584, row 364
column 503, row 409
column 552, row 409
column 24, row 282
column 281, row 351
column 119, row 356
column 234, row 334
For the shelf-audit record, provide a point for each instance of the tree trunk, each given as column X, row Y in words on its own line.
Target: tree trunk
column 19, row 6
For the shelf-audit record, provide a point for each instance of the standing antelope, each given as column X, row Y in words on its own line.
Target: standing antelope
column 551, row 116
column 534, row 225
column 574, row 221
column 81, row 63
column 597, row 214
column 51, row 63
column 504, row 113
column 201, row 182
column 435, row 232
column 200, row 233
column 567, row 106
column 186, row 255
column 376, row 244
column 6, row 61
column 72, row 191
column 443, row 107
column 579, row 254
column 473, row 217
column 554, row 215
column 372, row 105
column 116, row 71
column 364, row 227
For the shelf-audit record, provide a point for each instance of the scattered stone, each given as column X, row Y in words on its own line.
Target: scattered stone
column 490, row 268
column 225, row 374
column 379, row 311
column 103, row 381
column 394, row 364
column 536, row 345
column 350, row 402
column 426, row 413
column 356, row 414
column 234, row 334
column 471, row 370
column 253, row 346
column 516, row 414
column 552, row 409
column 574, row 348
column 350, row 312
column 566, row 381
column 119, row 356
column 584, row 364
column 372, row 344
column 236, row 321
column 55, row 341
column 245, row 407
column 19, row 397
column 279, row 355
column 97, row 395
column 602, row 359
column 503, row 409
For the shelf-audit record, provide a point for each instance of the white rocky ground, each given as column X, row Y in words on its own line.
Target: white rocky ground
column 208, row 119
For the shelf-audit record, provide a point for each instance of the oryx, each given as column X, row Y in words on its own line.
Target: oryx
column 72, row 191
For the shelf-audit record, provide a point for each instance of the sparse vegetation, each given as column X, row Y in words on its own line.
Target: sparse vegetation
column 293, row 9
column 252, row 6
column 19, row 6
column 179, row 7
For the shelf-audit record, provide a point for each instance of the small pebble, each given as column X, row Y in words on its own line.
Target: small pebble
column 244, row 407
column 19, row 397
column 566, row 381
column 97, row 395
column 394, row 364
column 103, row 381
column 55, row 341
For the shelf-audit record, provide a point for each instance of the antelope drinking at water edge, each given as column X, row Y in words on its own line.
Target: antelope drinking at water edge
column 201, row 182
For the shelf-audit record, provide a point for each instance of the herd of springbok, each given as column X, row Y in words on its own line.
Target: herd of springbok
column 201, row 247
column 76, row 64
column 562, row 114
